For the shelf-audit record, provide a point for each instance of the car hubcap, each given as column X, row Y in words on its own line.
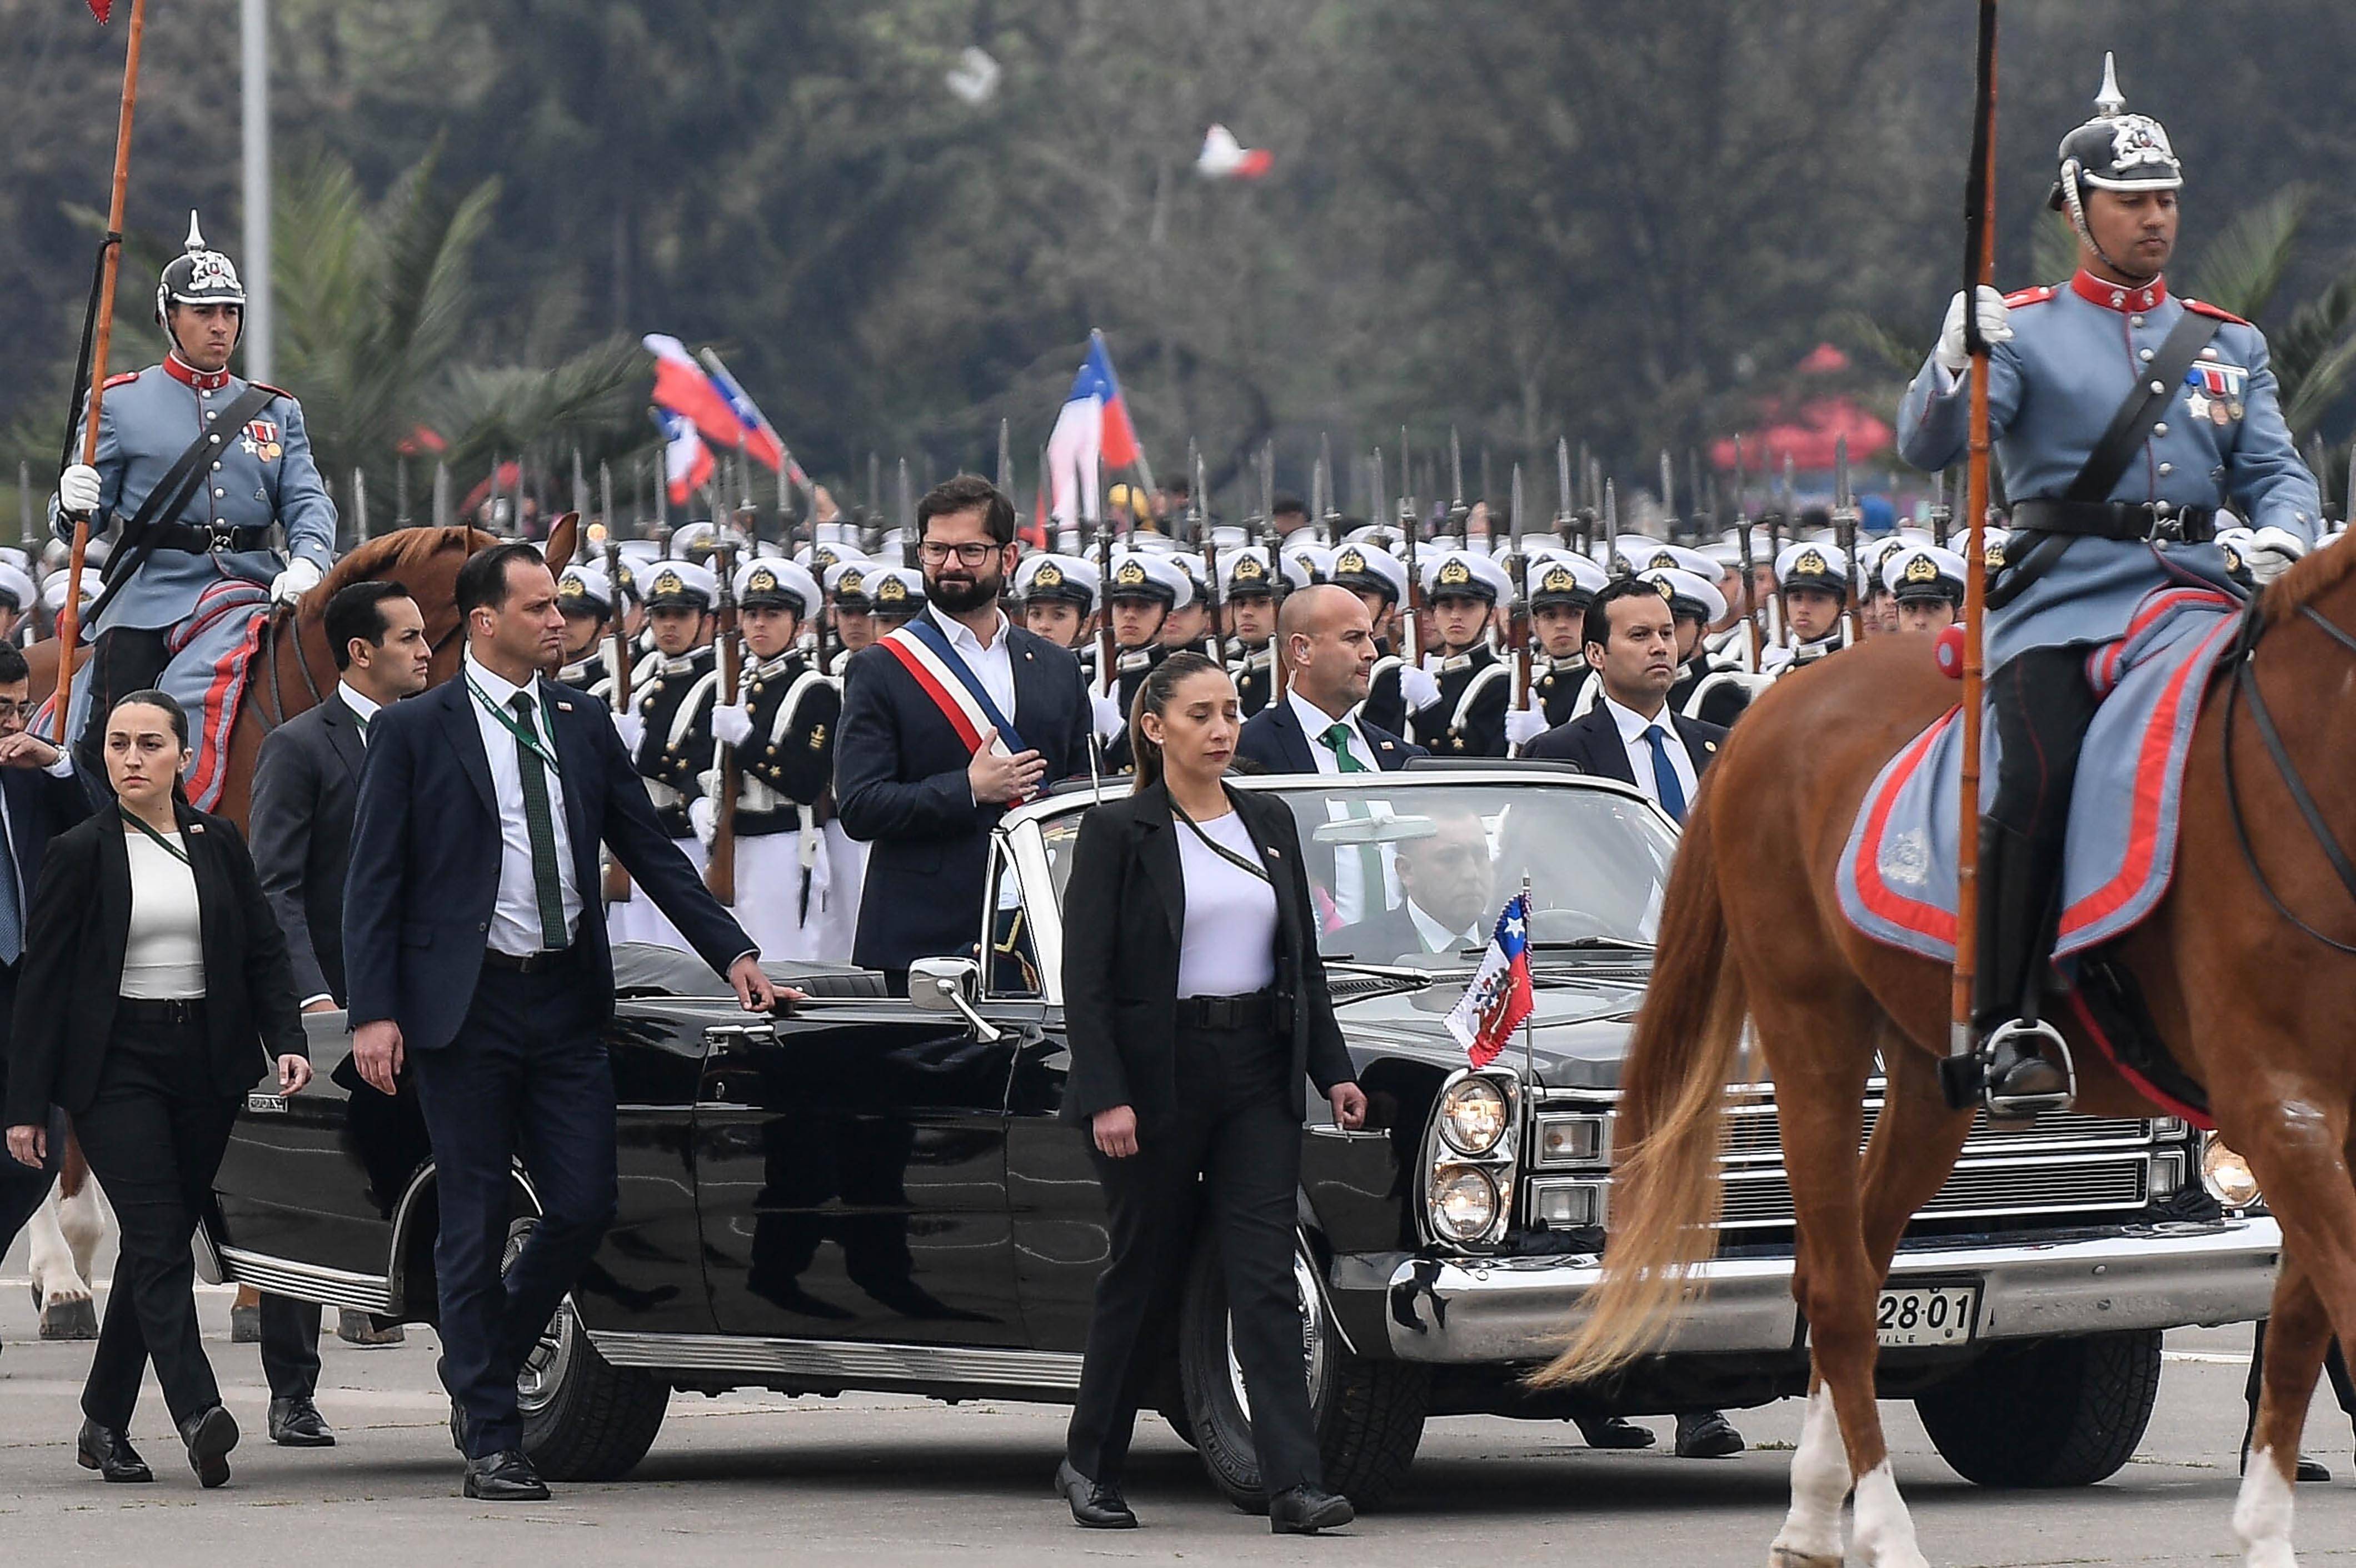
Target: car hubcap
column 1313, row 1337
column 544, row 1369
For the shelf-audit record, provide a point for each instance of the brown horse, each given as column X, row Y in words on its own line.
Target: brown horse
column 1752, row 928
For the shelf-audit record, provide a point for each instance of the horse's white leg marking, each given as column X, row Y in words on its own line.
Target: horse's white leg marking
column 1885, row 1530
column 51, row 1256
column 2262, row 1515
column 84, row 1220
column 1811, row 1536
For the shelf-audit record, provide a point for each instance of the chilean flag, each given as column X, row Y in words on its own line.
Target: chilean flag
column 682, row 387
column 687, row 461
column 1094, row 427
column 761, row 443
column 1500, row 997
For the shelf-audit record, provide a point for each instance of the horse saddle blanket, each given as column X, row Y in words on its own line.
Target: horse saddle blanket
column 1896, row 880
column 212, row 664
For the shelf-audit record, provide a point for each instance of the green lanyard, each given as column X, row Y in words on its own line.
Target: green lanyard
column 175, row 850
column 525, row 736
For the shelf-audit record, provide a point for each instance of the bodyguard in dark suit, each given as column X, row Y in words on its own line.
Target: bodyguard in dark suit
column 1631, row 734
column 155, row 994
column 1327, row 643
column 1197, row 1010
column 304, row 785
column 477, row 956
column 39, row 798
column 905, row 780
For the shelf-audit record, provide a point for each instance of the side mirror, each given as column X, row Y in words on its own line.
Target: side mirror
column 947, row 985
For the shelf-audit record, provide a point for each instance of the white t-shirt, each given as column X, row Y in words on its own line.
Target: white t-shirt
column 1228, row 948
column 165, row 955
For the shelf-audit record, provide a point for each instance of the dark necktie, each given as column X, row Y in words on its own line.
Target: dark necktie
column 546, row 881
column 1666, row 788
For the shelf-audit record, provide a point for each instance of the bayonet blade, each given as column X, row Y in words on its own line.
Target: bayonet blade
column 1455, row 469
column 1006, row 458
column 1566, row 505
column 1668, row 486
column 1611, row 529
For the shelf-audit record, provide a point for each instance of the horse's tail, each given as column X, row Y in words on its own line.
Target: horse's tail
column 1665, row 1191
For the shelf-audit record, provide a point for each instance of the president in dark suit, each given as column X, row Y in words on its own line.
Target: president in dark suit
column 1631, row 734
column 909, row 776
column 39, row 799
column 305, row 784
column 477, row 956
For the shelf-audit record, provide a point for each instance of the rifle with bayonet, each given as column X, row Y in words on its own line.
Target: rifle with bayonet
column 1197, row 520
column 719, row 875
column 1566, row 511
column 1459, row 512
column 1942, row 515
column 1750, row 564
column 1411, row 643
column 1845, row 535
column 1518, row 619
column 1613, row 563
column 617, row 656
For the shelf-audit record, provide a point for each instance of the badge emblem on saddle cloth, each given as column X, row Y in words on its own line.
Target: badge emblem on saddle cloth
column 925, row 652
column 1896, row 880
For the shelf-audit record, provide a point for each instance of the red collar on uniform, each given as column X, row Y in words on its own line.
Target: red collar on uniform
column 188, row 375
column 2118, row 296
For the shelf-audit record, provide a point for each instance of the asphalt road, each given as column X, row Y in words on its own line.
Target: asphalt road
column 762, row 1479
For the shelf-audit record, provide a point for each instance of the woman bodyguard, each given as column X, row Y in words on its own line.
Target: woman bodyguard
column 1196, row 1005
column 155, row 992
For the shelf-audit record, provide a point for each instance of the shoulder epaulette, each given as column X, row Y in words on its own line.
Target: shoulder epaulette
column 280, row 392
column 2037, row 296
column 125, row 378
column 2205, row 308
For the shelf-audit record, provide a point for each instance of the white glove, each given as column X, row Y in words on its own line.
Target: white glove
column 1108, row 715
column 632, row 729
column 704, row 819
column 733, row 725
column 1417, row 687
column 299, row 578
column 1525, row 724
column 1996, row 326
column 78, row 490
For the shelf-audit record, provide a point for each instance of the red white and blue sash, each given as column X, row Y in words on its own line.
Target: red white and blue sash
column 925, row 652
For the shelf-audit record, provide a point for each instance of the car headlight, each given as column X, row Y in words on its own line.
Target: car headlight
column 2227, row 1174
column 1472, row 1116
column 1463, row 1202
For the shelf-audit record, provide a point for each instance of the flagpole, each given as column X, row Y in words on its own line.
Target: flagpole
column 1529, row 1044
column 111, row 257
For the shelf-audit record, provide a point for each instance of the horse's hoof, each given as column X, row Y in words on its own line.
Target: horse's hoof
column 69, row 1319
column 1785, row 1557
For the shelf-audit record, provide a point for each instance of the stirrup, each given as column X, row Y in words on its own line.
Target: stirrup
column 2026, row 1036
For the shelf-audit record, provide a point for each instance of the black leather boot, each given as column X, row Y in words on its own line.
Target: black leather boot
column 2017, row 880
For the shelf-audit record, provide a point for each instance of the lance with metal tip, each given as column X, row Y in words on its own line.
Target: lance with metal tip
column 99, row 332
column 1979, row 268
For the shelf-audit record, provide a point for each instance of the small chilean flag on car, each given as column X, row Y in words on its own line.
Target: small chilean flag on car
column 1093, row 426
column 1499, row 998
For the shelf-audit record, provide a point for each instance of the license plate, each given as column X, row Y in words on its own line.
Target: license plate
column 1927, row 1315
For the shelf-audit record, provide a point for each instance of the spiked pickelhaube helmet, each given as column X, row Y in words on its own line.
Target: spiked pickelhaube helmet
column 199, row 275
column 2113, row 151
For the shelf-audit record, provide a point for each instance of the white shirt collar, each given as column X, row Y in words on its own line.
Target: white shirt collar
column 1437, row 938
column 1633, row 725
column 363, row 705
column 1315, row 721
column 496, row 687
column 959, row 632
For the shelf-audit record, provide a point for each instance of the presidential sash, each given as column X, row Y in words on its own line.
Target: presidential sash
column 925, row 652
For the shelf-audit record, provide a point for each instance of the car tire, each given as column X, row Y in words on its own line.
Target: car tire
column 1369, row 1414
column 2057, row 1413
column 584, row 1419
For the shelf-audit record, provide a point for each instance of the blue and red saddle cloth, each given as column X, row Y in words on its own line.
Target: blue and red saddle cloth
column 1896, row 880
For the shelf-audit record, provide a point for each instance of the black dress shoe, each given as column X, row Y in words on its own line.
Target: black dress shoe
column 2309, row 1470
column 1709, row 1436
column 209, row 1435
column 2016, row 1075
column 1614, row 1431
column 1095, row 1505
column 107, row 1451
column 506, row 1476
column 297, row 1424
column 1305, row 1510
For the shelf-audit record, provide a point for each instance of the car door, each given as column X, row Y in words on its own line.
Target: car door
column 850, row 1176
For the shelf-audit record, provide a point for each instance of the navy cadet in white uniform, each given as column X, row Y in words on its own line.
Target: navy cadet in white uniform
column 2097, row 524
column 258, row 473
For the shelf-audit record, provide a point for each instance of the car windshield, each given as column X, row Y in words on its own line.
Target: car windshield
column 1415, row 871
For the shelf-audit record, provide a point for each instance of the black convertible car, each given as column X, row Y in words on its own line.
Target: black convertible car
column 874, row 1193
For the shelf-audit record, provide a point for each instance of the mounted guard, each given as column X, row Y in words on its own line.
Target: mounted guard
column 2123, row 417
column 203, row 477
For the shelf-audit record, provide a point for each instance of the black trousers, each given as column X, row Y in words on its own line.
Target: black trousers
column 2041, row 705
column 2335, row 1366
column 527, row 1073
column 154, row 1136
column 1233, row 1145
column 290, row 1347
column 122, row 661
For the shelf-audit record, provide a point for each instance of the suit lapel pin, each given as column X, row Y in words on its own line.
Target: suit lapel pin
column 563, row 707
column 1709, row 745
column 196, row 827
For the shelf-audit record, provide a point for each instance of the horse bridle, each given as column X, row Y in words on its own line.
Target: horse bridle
column 2245, row 686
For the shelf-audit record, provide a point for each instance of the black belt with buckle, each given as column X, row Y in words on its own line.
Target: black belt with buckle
column 528, row 963
column 1254, row 1010
column 2155, row 521
column 218, row 539
column 159, row 1009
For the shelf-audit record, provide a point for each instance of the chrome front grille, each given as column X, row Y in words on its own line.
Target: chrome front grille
column 2068, row 1183
column 1753, row 1133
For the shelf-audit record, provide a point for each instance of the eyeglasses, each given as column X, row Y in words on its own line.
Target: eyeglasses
column 12, row 712
column 934, row 553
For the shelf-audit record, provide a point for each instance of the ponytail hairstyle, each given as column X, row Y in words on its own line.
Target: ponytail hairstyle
column 154, row 698
column 1153, row 697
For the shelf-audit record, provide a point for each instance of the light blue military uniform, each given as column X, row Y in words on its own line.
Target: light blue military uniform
column 264, row 474
column 2076, row 352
